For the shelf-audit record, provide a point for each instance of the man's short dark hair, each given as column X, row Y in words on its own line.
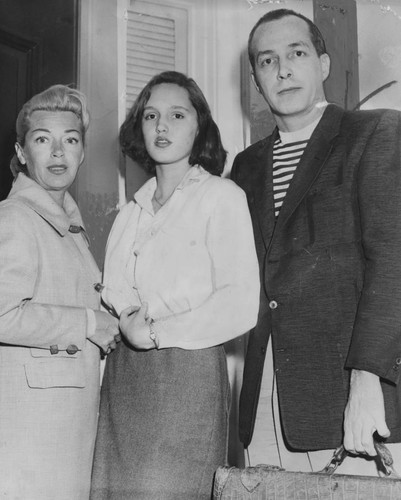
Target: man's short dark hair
column 275, row 15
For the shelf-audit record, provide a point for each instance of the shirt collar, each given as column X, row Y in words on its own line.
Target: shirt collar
column 145, row 194
column 38, row 199
column 302, row 134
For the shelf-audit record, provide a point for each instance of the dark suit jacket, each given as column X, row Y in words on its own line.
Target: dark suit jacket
column 330, row 272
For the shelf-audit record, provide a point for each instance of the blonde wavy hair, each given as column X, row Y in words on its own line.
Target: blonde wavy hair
column 55, row 98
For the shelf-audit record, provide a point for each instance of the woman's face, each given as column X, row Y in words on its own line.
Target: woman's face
column 53, row 150
column 169, row 125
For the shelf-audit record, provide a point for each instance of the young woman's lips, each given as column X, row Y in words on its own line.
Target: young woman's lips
column 162, row 142
column 57, row 169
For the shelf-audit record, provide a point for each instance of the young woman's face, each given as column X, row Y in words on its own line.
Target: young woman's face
column 53, row 150
column 169, row 125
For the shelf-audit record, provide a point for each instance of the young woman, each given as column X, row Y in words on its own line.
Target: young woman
column 181, row 273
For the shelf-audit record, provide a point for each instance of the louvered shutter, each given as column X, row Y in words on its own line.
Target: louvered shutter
column 153, row 31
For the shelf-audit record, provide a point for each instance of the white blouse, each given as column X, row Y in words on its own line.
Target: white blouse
column 193, row 262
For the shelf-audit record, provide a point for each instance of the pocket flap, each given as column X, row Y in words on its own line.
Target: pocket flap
column 36, row 352
column 59, row 372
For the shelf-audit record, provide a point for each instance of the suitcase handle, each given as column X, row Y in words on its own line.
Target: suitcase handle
column 384, row 457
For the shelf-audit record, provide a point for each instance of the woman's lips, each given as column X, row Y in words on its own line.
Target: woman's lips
column 162, row 142
column 57, row 169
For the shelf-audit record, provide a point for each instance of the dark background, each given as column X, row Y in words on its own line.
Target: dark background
column 38, row 48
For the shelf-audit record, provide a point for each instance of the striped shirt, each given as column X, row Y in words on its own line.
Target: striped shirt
column 287, row 151
column 285, row 161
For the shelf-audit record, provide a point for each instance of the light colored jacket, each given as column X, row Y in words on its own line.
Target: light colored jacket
column 49, row 371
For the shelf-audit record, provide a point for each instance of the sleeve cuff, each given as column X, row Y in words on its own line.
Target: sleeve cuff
column 91, row 323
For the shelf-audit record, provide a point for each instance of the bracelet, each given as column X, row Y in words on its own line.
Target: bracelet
column 153, row 336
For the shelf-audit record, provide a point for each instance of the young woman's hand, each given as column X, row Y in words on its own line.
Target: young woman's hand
column 107, row 332
column 135, row 326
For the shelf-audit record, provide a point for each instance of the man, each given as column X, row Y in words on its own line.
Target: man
column 324, row 192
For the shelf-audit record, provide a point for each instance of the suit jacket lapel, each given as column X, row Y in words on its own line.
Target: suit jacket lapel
column 264, row 188
column 312, row 161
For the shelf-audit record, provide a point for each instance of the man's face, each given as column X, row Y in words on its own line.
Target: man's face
column 288, row 72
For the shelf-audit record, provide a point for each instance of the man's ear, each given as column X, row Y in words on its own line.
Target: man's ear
column 255, row 82
column 20, row 153
column 325, row 65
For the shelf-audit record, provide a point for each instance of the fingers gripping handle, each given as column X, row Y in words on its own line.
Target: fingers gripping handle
column 384, row 457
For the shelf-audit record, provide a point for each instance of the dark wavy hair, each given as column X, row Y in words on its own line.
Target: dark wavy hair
column 207, row 149
column 274, row 15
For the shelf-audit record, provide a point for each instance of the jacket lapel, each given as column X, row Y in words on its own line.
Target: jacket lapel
column 264, row 188
column 311, row 163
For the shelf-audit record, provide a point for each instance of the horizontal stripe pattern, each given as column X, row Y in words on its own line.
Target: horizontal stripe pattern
column 285, row 161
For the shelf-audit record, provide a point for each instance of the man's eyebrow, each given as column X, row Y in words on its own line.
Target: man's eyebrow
column 298, row 44
column 291, row 45
column 264, row 53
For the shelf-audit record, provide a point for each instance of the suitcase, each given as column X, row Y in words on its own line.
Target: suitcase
column 265, row 482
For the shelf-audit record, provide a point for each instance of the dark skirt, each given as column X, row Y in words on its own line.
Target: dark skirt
column 163, row 424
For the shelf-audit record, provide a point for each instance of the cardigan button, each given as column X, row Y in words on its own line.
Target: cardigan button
column 398, row 361
column 273, row 304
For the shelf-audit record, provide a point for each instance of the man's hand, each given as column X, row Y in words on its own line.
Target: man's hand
column 134, row 325
column 364, row 413
column 107, row 332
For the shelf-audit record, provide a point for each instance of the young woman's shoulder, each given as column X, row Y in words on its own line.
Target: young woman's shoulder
column 223, row 187
column 125, row 213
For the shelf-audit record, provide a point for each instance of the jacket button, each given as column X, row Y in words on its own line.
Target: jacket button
column 72, row 349
column 273, row 304
column 263, row 350
column 74, row 229
column 54, row 349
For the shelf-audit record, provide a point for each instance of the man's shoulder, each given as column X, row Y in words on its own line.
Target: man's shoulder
column 250, row 163
column 370, row 116
column 255, row 148
column 355, row 126
column 254, row 155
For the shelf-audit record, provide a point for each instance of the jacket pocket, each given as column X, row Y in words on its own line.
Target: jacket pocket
column 60, row 372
